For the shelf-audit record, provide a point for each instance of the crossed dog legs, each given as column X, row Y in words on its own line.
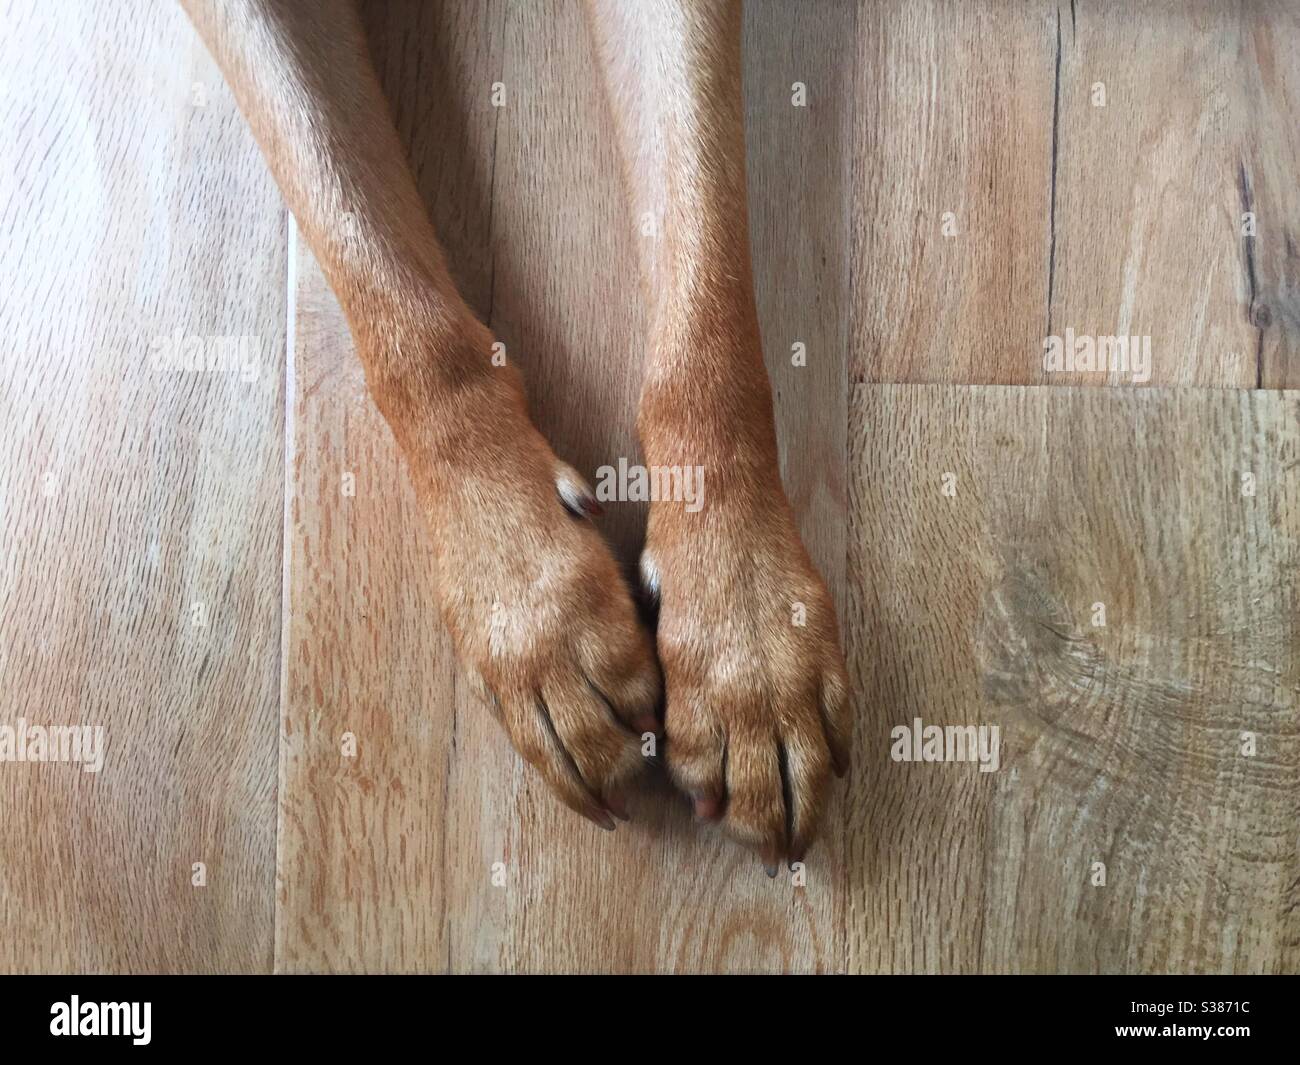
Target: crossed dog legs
column 756, row 696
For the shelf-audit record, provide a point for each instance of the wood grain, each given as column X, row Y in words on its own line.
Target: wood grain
column 1268, row 82
column 1121, row 744
column 1096, row 164
column 134, row 207
column 134, row 204
column 1196, row 126
column 954, row 106
column 387, row 860
column 800, row 186
column 369, row 844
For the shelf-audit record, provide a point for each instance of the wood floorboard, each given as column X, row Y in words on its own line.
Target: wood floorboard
column 140, row 503
column 1091, row 571
column 935, row 188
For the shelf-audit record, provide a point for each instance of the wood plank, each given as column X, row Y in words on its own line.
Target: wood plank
column 565, row 288
column 800, row 188
column 1268, row 81
column 800, row 184
column 366, row 841
column 386, row 860
column 437, row 68
column 1114, row 220
column 566, row 304
column 1121, row 744
column 954, row 104
column 140, row 506
column 1170, row 127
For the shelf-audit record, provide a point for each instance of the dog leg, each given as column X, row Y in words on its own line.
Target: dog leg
column 757, row 694
column 530, row 592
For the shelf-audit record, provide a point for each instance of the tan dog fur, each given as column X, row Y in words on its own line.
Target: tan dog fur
column 756, row 709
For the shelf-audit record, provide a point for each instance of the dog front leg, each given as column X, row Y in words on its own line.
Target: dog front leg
column 531, row 594
column 757, row 693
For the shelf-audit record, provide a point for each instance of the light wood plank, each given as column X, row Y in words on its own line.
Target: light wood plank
column 800, row 184
column 954, row 128
column 366, row 841
column 135, row 206
column 800, row 189
column 1120, row 744
column 394, row 871
column 1114, row 220
column 1171, row 126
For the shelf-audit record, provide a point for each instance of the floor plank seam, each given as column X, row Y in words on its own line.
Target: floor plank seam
column 286, row 557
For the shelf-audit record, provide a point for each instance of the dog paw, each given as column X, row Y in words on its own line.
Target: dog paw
column 536, row 604
column 757, row 694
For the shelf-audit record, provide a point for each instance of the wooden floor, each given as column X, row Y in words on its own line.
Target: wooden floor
column 180, row 561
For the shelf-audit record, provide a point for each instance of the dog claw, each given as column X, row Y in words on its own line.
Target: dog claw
column 617, row 805
column 707, row 807
column 575, row 493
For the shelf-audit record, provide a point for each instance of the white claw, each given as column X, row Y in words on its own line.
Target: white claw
column 575, row 492
column 649, row 574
